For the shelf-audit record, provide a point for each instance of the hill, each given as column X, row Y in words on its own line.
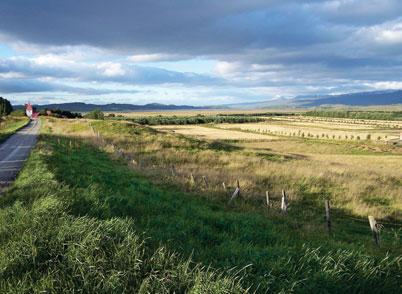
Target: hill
column 85, row 107
column 353, row 99
column 390, row 97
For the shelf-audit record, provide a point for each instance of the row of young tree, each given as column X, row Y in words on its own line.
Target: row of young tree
column 5, row 107
column 189, row 120
column 374, row 115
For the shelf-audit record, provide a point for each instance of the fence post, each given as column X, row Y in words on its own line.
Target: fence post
column 224, row 186
column 267, row 199
column 204, row 178
column 328, row 215
column 374, row 230
column 284, row 204
column 192, row 180
column 235, row 194
column 173, row 171
column 238, row 186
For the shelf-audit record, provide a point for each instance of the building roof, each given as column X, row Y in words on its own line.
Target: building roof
column 28, row 106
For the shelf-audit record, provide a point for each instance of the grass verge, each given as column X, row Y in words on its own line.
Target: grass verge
column 10, row 125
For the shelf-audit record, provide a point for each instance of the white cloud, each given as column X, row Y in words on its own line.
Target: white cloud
column 396, row 85
column 390, row 36
column 111, row 69
column 52, row 60
column 226, row 68
column 11, row 75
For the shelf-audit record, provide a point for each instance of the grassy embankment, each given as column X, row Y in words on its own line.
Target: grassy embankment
column 9, row 125
column 74, row 212
column 59, row 234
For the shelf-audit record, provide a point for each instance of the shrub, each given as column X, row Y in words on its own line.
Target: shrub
column 95, row 114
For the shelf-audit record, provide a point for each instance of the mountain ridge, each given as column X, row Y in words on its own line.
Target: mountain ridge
column 385, row 97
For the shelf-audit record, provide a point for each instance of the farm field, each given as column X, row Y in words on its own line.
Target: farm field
column 320, row 129
column 212, row 133
column 165, row 190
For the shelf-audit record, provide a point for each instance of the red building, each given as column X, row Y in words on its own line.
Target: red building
column 30, row 112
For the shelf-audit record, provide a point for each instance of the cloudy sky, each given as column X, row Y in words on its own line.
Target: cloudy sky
column 198, row 52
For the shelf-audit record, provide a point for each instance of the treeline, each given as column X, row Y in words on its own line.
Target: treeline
column 5, row 107
column 192, row 120
column 374, row 115
column 60, row 113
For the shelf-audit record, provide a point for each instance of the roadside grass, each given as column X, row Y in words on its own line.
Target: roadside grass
column 71, row 190
column 9, row 125
column 56, row 237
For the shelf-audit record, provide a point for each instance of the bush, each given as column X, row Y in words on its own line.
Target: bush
column 95, row 114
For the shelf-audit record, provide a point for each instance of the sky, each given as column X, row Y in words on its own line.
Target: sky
column 196, row 52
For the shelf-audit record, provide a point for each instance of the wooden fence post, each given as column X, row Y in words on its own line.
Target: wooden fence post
column 328, row 215
column 173, row 171
column 236, row 193
column 204, row 178
column 192, row 180
column 267, row 199
column 375, row 230
column 284, row 204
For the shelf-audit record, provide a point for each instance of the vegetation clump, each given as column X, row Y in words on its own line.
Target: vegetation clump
column 60, row 113
column 95, row 114
column 374, row 115
column 5, row 107
column 189, row 120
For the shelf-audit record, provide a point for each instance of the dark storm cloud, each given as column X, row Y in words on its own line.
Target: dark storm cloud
column 323, row 45
column 202, row 27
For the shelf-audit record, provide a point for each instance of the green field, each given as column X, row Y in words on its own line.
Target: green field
column 79, row 218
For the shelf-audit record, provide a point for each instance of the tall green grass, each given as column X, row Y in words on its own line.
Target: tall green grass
column 70, row 222
column 49, row 245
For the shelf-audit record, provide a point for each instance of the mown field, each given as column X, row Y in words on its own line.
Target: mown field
column 110, row 206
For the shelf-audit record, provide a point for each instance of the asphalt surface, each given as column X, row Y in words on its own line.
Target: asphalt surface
column 15, row 151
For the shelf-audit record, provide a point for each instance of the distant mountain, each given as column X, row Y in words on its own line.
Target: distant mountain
column 84, row 107
column 352, row 99
column 358, row 99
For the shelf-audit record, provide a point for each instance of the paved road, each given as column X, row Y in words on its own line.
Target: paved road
column 15, row 151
